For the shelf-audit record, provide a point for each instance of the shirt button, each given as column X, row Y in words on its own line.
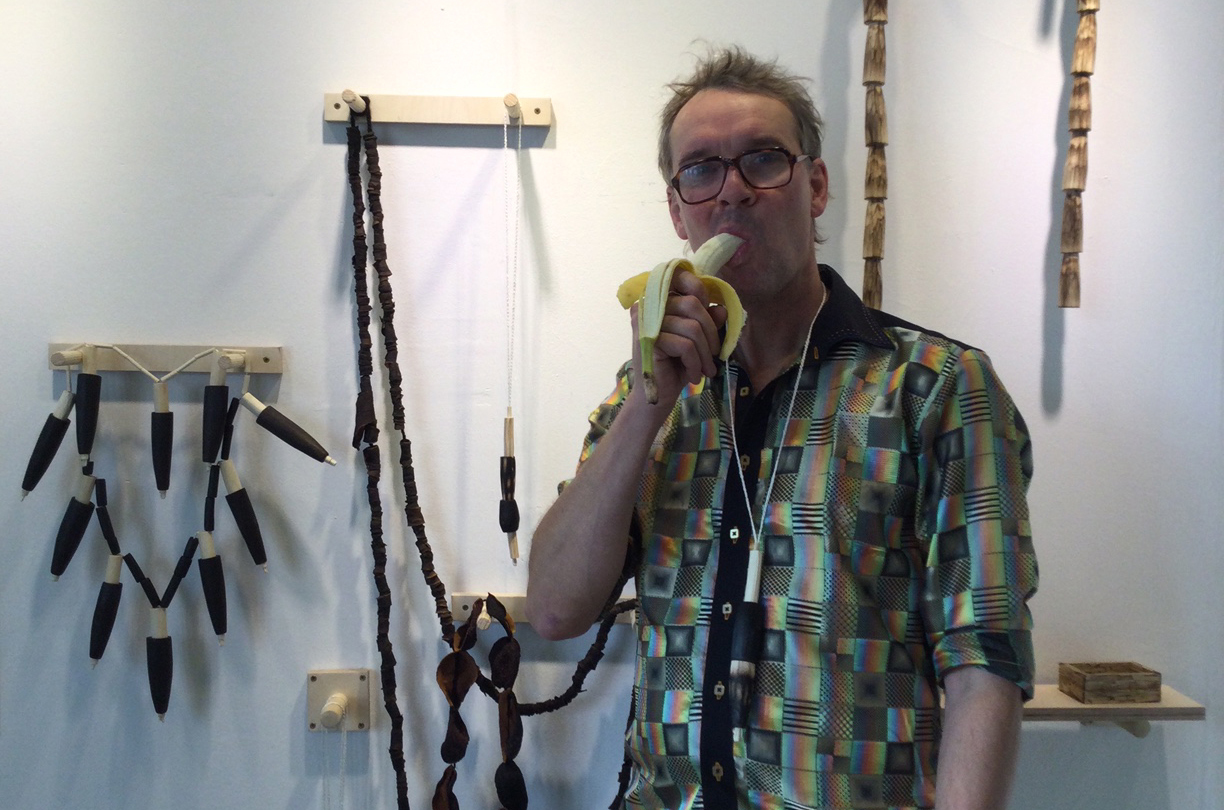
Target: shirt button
column 726, row 610
column 744, row 461
column 719, row 690
column 745, row 390
column 734, row 534
column 717, row 770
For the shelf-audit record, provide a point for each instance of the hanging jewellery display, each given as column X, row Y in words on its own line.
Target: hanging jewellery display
column 1075, row 170
column 875, row 15
column 458, row 671
column 508, row 512
column 90, row 497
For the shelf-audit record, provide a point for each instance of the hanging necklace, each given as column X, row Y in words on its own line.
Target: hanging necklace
column 750, row 618
column 508, row 511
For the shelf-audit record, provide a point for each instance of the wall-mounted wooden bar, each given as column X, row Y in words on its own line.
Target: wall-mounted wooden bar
column 1049, row 703
column 492, row 111
column 163, row 358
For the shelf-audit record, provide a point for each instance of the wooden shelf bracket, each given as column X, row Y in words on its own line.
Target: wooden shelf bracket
column 462, row 110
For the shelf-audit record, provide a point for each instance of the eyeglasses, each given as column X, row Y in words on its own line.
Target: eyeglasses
column 771, row 167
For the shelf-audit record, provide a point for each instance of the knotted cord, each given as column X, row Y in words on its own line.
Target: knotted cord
column 365, row 439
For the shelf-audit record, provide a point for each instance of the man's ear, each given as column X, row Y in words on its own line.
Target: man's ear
column 673, row 208
column 819, row 180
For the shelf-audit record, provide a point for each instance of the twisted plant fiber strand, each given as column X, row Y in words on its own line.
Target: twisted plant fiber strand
column 412, row 507
column 588, row 663
column 367, row 430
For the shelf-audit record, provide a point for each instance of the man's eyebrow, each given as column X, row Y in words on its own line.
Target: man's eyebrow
column 756, row 142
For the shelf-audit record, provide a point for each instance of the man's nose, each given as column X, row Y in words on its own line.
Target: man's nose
column 735, row 189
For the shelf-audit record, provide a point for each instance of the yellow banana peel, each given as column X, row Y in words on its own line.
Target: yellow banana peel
column 650, row 291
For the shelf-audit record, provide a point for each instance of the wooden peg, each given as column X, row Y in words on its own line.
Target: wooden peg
column 875, row 11
column 356, row 103
column 512, row 106
column 874, row 56
column 876, row 187
column 877, row 117
column 873, row 231
column 1089, row 5
column 873, row 283
column 1069, row 282
column 1083, row 59
column 1073, row 223
column 1075, row 171
column 1079, row 118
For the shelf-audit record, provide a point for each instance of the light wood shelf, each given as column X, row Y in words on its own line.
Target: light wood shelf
column 1049, row 703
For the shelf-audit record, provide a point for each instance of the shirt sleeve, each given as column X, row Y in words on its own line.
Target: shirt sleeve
column 981, row 568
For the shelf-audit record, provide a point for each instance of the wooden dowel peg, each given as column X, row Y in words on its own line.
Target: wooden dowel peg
column 873, row 231
column 1075, row 171
column 512, row 106
column 356, row 103
column 875, row 11
column 873, row 283
column 877, row 117
column 1083, row 58
column 874, row 56
column 1073, row 223
column 876, row 187
column 231, row 361
column 1079, row 118
column 1069, row 282
column 69, row 357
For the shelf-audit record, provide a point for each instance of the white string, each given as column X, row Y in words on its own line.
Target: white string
column 781, row 439
column 512, row 248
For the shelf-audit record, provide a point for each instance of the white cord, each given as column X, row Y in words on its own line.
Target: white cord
column 512, row 247
column 752, row 586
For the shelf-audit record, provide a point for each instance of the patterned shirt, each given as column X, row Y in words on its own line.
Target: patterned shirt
column 897, row 547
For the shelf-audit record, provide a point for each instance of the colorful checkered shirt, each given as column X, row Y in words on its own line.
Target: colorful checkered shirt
column 897, row 546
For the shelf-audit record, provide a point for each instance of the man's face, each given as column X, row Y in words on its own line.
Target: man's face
column 776, row 224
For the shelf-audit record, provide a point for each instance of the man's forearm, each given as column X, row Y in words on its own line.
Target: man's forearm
column 981, row 740
column 578, row 550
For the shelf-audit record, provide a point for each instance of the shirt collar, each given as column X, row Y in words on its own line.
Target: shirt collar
column 844, row 317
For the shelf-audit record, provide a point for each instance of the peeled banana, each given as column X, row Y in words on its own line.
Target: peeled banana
column 650, row 290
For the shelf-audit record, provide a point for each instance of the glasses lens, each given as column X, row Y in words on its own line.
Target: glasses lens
column 701, row 181
column 766, row 168
column 761, row 168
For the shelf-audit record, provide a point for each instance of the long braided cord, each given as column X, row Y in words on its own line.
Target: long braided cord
column 366, row 432
column 365, row 438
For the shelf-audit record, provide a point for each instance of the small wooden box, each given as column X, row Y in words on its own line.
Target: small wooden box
column 1120, row 682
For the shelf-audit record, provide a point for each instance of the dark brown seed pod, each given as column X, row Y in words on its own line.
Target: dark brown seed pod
column 504, row 662
column 444, row 793
column 456, row 674
column 511, row 789
column 457, row 738
column 511, row 725
column 498, row 611
column 465, row 636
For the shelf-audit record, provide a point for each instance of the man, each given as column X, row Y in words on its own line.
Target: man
column 877, row 469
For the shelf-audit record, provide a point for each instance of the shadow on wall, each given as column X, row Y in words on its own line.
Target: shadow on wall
column 1054, row 324
column 1066, row 765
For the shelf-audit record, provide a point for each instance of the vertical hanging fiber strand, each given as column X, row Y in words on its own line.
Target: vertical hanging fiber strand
column 875, row 190
column 366, row 430
column 412, row 507
column 1075, row 170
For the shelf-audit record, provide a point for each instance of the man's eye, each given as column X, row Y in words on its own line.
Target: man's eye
column 762, row 160
column 701, row 172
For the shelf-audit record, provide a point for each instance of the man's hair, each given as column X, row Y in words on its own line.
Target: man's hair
column 735, row 69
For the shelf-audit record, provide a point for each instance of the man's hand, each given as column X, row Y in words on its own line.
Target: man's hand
column 688, row 342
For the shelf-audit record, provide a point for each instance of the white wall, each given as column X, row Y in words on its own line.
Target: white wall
column 165, row 177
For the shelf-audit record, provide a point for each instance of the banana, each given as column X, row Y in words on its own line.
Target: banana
column 650, row 290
